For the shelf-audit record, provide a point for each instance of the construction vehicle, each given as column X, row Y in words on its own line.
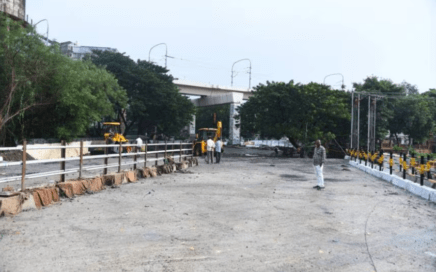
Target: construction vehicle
column 112, row 135
column 200, row 146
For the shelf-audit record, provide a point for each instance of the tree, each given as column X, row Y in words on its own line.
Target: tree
column 45, row 94
column 89, row 94
column 303, row 113
column 412, row 116
column 153, row 100
column 27, row 67
column 409, row 88
column 204, row 117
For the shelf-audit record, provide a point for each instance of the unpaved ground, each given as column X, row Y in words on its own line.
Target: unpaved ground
column 246, row 214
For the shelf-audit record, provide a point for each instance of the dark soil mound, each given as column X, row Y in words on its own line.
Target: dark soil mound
column 15, row 155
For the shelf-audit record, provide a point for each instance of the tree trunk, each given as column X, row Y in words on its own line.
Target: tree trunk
column 294, row 142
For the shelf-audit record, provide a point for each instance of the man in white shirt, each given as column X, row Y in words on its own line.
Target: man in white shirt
column 218, row 150
column 139, row 143
column 210, row 147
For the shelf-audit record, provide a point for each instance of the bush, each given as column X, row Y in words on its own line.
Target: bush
column 397, row 148
column 411, row 150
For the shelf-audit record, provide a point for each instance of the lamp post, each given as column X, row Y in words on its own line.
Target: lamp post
column 343, row 86
column 249, row 81
column 166, row 53
column 47, row 26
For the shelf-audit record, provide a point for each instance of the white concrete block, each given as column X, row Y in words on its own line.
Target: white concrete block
column 376, row 173
column 368, row 170
column 426, row 192
column 387, row 177
column 399, row 182
column 415, row 188
column 432, row 196
column 28, row 203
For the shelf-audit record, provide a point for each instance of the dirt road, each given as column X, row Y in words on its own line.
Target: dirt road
column 246, row 214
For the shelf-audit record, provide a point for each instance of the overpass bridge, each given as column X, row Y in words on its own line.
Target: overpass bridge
column 211, row 95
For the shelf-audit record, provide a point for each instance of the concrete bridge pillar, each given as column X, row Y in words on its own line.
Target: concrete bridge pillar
column 191, row 128
column 234, row 132
column 235, row 100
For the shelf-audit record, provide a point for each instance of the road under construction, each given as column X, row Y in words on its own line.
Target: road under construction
column 252, row 212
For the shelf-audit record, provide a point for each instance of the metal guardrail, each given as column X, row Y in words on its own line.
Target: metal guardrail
column 182, row 153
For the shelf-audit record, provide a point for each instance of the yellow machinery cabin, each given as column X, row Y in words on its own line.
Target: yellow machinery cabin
column 199, row 147
column 112, row 132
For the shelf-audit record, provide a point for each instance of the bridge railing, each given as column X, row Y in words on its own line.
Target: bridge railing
column 142, row 154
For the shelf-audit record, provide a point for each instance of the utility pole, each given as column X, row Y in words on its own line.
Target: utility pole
column 355, row 120
column 249, row 81
column 352, row 120
column 166, row 53
column 343, row 85
column 358, row 119
column 47, row 26
column 369, row 122
column 374, row 122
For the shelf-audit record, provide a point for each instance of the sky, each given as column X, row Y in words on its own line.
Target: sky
column 285, row 40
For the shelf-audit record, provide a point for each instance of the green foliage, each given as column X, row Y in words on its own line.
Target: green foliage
column 411, row 150
column 419, row 155
column 397, row 148
column 47, row 95
column 204, row 117
column 413, row 116
column 154, row 101
column 301, row 112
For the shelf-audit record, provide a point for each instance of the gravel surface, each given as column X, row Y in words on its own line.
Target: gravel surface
column 245, row 214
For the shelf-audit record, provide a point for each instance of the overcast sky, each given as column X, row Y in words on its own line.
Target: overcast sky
column 287, row 39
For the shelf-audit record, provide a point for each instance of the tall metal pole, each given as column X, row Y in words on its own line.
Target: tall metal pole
column 352, row 120
column 343, row 86
column 47, row 26
column 166, row 52
column 358, row 120
column 249, row 81
column 369, row 121
column 23, row 169
column 375, row 119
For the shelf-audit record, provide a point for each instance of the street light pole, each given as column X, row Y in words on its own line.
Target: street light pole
column 343, row 86
column 249, row 81
column 47, row 26
column 166, row 53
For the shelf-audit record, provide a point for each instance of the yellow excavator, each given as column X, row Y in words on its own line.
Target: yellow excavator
column 112, row 132
column 200, row 146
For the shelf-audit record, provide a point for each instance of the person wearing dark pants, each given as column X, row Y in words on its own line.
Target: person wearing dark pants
column 318, row 162
column 218, row 150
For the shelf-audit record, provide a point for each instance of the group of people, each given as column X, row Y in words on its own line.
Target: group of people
column 211, row 147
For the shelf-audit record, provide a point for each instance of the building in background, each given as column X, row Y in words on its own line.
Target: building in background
column 16, row 9
column 76, row 52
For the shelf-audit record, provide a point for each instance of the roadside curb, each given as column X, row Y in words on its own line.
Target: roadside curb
column 423, row 191
column 36, row 198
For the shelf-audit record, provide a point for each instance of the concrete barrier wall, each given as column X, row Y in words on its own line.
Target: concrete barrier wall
column 45, row 154
column 414, row 188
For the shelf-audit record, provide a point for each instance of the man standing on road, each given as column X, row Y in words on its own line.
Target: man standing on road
column 318, row 163
column 218, row 150
column 210, row 147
